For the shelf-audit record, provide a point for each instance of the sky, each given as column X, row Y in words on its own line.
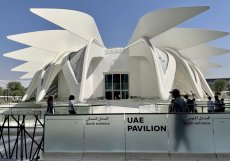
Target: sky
column 116, row 21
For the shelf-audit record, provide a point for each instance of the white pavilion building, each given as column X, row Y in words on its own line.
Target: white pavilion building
column 158, row 57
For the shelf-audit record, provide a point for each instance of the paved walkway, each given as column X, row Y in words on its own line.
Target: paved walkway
column 133, row 157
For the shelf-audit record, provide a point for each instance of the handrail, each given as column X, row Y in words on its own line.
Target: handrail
column 63, row 109
column 198, row 105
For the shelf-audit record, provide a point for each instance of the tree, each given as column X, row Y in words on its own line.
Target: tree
column 15, row 89
column 219, row 85
column 1, row 91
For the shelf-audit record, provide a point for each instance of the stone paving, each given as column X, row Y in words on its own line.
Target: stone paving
column 133, row 157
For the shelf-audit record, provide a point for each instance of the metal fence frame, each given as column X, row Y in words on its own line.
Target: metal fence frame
column 20, row 149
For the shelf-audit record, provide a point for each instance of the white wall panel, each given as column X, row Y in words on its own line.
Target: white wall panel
column 146, row 133
column 191, row 133
column 104, row 133
column 221, row 126
column 66, row 134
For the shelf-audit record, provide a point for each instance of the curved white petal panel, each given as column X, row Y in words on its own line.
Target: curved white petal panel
column 157, row 22
column 205, row 71
column 72, row 83
column 28, row 75
column 202, row 52
column 93, row 50
column 203, row 63
column 186, row 78
column 182, row 38
column 164, row 81
column 204, row 83
column 32, row 86
column 51, row 40
column 28, row 66
column 79, row 23
column 49, row 75
column 32, row 54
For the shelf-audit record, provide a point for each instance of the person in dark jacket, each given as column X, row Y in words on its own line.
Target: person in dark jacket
column 222, row 105
column 189, row 103
column 71, row 105
column 218, row 104
column 177, row 104
column 50, row 105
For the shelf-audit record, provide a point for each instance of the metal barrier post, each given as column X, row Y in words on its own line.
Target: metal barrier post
column 21, row 151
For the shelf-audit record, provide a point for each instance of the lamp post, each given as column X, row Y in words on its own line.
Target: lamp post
column 7, row 95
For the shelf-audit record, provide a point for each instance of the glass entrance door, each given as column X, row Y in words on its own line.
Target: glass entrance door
column 116, row 86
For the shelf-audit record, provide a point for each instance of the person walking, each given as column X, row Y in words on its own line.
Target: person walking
column 194, row 106
column 210, row 105
column 189, row 103
column 71, row 105
column 218, row 104
column 177, row 104
column 50, row 106
column 222, row 105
